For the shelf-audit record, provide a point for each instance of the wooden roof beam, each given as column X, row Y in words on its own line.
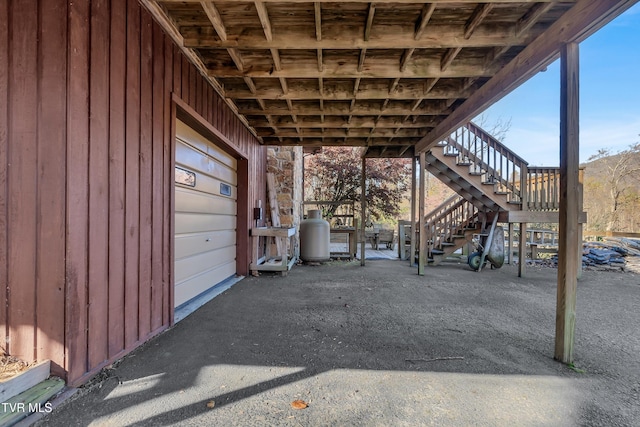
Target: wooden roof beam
column 237, row 58
column 480, row 12
column 270, row 120
column 417, row 68
column 431, row 108
column 394, row 37
column 340, row 122
column 370, row 15
column 356, row 86
column 425, row 16
column 353, row 141
column 263, row 15
column 448, row 58
column 430, row 84
column 252, row 87
column 320, row 66
column 215, row 18
column 339, row 133
column 406, row 56
column 408, row 93
column 363, row 54
column 495, row 54
column 264, row 19
column 216, row 21
column 318, row 17
column 531, row 17
column 275, row 54
column 403, row 150
column 393, row 87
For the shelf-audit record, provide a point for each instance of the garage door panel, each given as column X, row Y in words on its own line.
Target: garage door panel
column 196, row 285
column 196, row 202
column 207, row 184
column 193, row 159
column 205, row 215
column 193, row 138
column 197, row 223
column 190, row 244
column 198, row 263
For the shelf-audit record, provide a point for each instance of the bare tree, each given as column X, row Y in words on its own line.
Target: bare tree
column 620, row 173
column 498, row 128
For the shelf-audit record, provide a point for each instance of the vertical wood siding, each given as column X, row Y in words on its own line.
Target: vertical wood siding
column 86, row 178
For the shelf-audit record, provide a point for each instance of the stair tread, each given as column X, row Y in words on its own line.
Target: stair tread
column 437, row 252
column 501, row 193
column 476, row 173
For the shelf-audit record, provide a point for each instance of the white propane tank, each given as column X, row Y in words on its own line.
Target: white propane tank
column 314, row 237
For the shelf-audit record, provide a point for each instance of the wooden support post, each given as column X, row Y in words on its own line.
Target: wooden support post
column 422, row 260
column 524, row 199
column 510, row 244
column 363, row 206
column 412, row 246
column 568, row 244
column 522, row 249
column 353, row 241
column 580, row 224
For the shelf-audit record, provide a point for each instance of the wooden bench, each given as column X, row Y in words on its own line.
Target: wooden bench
column 380, row 236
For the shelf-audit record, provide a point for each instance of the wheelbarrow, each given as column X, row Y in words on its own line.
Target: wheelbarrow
column 489, row 247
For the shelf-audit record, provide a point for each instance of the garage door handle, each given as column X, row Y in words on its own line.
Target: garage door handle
column 208, row 240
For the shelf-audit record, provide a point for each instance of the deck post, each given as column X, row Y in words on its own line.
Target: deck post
column 510, row 243
column 580, row 225
column 568, row 244
column 363, row 209
column 422, row 260
column 412, row 247
column 524, row 200
column 522, row 249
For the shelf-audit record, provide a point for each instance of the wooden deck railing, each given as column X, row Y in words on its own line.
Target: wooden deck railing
column 448, row 220
column 543, row 188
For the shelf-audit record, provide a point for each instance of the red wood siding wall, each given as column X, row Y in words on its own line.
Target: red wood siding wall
column 86, row 156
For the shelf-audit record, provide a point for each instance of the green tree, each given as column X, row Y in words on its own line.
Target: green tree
column 335, row 173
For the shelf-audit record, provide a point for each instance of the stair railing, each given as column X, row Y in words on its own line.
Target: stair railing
column 487, row 157
column 448, row 220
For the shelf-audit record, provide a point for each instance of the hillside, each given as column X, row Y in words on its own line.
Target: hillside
column 612, row 192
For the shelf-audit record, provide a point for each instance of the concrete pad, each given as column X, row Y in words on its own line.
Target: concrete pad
column 379, row 346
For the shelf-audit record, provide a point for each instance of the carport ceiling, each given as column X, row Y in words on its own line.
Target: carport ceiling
column 383, row 75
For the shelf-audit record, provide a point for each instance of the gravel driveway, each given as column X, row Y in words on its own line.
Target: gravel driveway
column 381, row 346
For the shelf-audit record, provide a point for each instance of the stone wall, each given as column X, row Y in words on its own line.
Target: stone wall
column 286, row 165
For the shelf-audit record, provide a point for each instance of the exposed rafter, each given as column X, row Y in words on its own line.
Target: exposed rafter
column 386, row 75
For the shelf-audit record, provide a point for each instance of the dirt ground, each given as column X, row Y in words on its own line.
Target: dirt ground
column 382, row 346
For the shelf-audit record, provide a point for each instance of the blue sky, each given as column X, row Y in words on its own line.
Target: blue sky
column 609, row 98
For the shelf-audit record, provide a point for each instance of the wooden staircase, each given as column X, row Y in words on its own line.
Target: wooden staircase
column 450, row 226
column 488, row 179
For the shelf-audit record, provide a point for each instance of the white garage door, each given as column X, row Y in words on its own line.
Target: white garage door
column 205, row 214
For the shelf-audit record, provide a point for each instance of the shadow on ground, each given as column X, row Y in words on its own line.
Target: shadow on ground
column 379, row 345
